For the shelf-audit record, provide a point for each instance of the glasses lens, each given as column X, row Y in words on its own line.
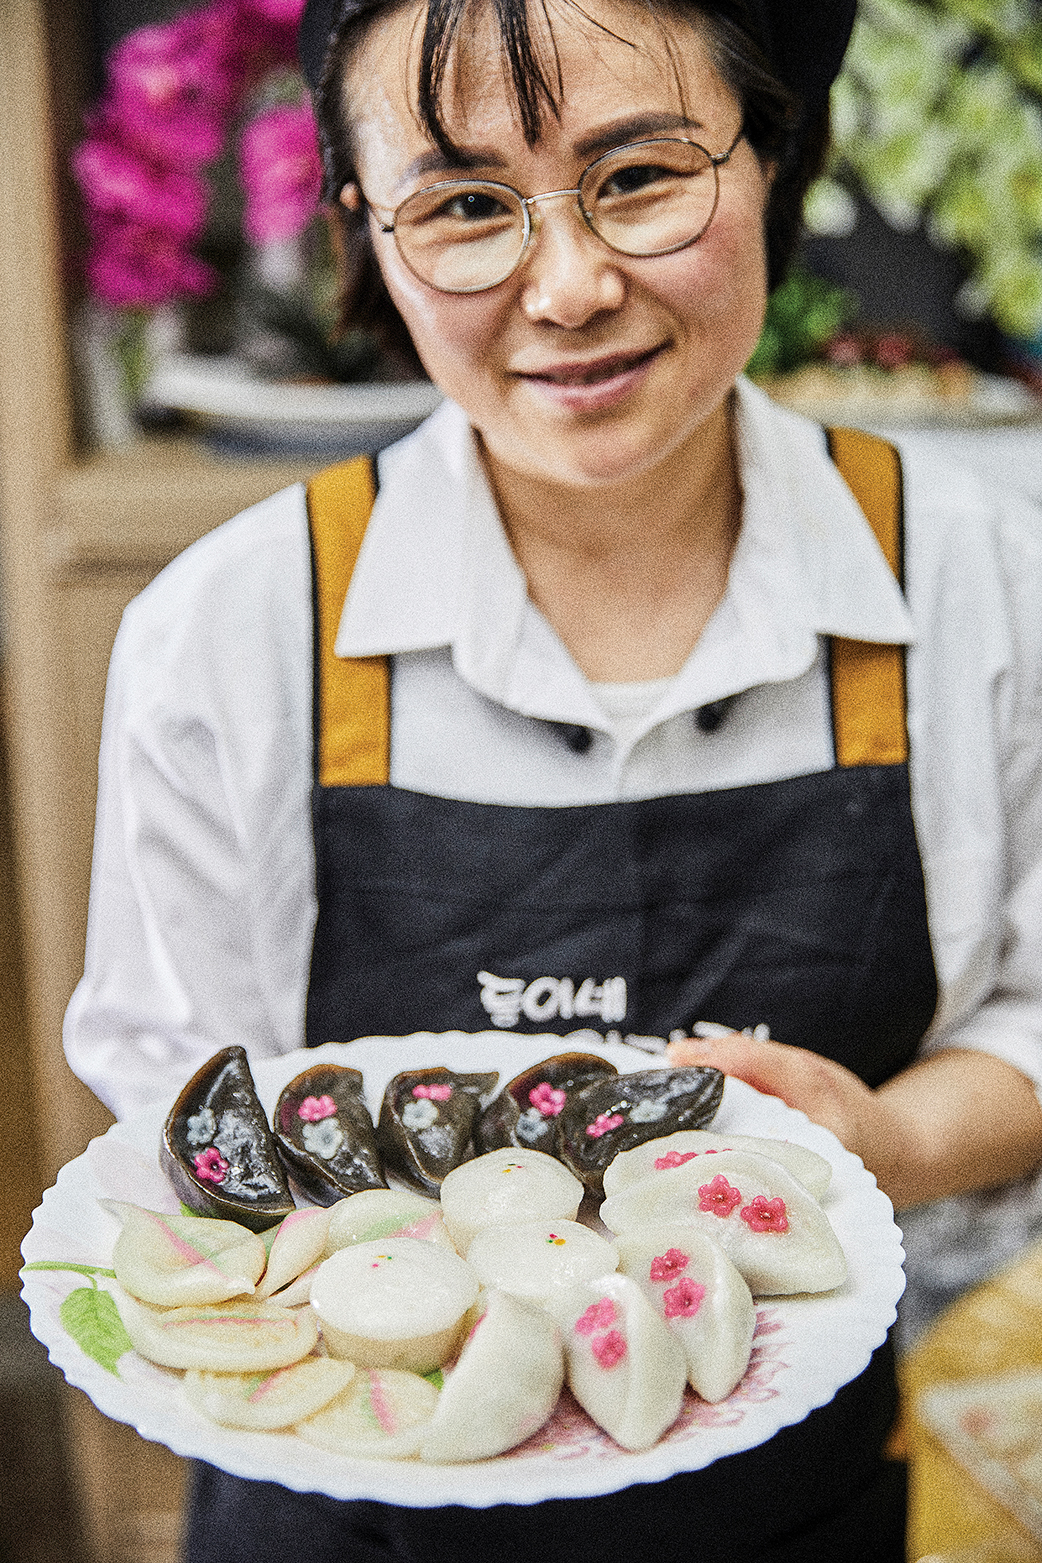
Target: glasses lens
column 461, row 236
column 650, row 197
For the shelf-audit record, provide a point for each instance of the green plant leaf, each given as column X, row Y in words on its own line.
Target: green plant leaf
column 435, row 1377
column 92, row 1319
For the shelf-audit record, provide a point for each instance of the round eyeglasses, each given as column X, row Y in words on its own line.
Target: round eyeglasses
column 646, row 198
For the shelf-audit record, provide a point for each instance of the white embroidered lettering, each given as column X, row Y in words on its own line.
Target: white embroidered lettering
column 542, row 998
column 505, row 999
column 501, row 997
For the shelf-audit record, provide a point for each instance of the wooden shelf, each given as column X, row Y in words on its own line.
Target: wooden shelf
column 135, row 509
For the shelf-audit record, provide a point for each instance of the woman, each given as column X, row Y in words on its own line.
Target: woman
column 645, row 758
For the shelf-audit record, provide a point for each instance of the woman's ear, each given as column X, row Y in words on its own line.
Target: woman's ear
column 351, row 197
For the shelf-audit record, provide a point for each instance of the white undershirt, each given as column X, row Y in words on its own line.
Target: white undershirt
column 628, row 706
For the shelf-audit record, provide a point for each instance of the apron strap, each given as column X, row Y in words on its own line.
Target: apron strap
column 352, row 694
column 869, row 714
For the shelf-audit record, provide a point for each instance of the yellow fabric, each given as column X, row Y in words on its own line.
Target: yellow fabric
column 354, row 708
column 868, row 679
column 354, row 719
column 993, row 1330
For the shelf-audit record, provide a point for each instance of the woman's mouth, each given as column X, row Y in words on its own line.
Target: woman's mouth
column 591, row 384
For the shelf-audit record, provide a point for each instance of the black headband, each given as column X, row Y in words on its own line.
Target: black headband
column 805, row 40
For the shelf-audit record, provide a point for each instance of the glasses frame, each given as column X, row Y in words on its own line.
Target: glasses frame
column 529, row 203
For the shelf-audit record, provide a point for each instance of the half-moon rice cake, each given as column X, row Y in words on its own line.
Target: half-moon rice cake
column 672, row 1150
column 504, row 1386
column 701, row 1296
column 767, row 1224
column 624, row 1365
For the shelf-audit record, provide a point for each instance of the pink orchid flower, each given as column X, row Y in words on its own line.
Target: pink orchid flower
column 132, row 267
column 120, row 186
column 281, row 172
column 165, row 94
column 285, row 11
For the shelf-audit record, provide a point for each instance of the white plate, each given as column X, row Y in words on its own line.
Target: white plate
column 228, row 401
column 805, row 1349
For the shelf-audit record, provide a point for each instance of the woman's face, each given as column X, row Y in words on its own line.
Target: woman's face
column 585, row 367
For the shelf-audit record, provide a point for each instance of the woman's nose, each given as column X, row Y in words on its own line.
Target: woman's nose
column 569, row 275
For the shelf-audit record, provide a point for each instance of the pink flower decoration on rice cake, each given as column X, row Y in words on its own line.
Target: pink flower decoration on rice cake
column 547, row 1099
column 765, row 1215
column 667, row 1266
column 719, row 1197
column 314, row 1108
column 684, row 1300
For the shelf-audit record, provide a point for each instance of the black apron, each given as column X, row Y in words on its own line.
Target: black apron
column 798, row 903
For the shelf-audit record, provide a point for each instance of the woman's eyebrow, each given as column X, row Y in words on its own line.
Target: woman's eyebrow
column 434, row 161
column 617, row 134
column 633, row 128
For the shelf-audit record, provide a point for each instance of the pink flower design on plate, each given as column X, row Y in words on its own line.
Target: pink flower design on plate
column 598, row 1316
column 667, row 1266
column 765, row 1215
column 210, row 1165
column 719, row 1197
column 684, row 1300
column 603, row 1124
column 433, row 1093
column 314, row 1108
column 609, row 1349
column 547, row 1099
column 674, row 1159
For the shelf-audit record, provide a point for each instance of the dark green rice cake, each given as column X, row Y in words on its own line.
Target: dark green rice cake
column 325, row 1135
column 427, row 1122
column 218, row 1151
column 527, row 1112
column 604, row 1117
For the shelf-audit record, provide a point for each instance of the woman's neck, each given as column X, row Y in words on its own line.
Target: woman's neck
column 629, row 576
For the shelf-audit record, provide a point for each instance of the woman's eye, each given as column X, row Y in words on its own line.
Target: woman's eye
column 472, row 206
column 633, row 180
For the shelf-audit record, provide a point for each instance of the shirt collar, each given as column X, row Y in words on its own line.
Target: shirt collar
column 436, row 569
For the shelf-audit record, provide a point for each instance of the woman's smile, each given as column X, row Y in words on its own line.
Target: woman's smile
column 590, row 385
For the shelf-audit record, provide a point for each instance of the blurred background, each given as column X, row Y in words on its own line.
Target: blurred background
column 165, row 359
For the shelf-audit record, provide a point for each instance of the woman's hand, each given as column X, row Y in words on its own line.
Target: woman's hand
column 955, row 1121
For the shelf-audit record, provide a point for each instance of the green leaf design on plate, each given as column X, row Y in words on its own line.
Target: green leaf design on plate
column 62, row 1264
column 92, row 1319
column 435, row 1377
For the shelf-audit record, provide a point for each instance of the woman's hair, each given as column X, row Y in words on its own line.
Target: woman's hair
column 773, row 123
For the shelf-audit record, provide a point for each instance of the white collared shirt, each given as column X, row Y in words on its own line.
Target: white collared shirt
column 202, row 900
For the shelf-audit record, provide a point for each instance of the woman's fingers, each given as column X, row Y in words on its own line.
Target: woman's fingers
column 827, row 1092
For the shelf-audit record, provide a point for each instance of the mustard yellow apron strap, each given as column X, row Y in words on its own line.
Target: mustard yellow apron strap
column 352, row 695
column 869, row 712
